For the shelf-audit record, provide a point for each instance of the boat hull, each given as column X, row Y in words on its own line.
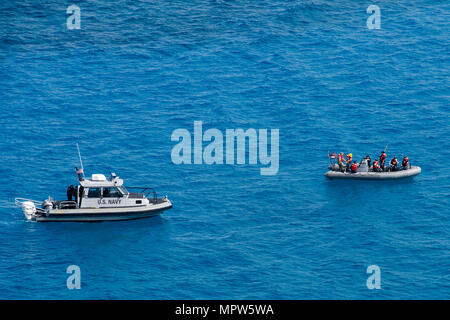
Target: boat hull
column 412, row 172
column 105, row 214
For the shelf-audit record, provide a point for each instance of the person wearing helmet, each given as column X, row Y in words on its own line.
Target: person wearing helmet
column 382, row 160
column 341, row 161
column 349, row 161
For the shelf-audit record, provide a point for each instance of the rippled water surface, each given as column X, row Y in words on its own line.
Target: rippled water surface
column 138, row 70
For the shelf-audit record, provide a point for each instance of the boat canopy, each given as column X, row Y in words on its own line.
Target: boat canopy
column 99, row 180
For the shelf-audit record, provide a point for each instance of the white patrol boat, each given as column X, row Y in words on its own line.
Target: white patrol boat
column 97, row 199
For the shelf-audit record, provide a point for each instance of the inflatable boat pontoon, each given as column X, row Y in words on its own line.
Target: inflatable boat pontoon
column 371, row 175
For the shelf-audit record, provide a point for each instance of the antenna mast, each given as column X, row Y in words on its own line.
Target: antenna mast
column 81, row 161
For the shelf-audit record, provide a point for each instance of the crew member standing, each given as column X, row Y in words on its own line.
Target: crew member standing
column 382, row 159
column 70, row 191
column 349, row 161
column 341, row 161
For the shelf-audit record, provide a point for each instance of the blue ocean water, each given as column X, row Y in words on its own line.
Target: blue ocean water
column 138, row 70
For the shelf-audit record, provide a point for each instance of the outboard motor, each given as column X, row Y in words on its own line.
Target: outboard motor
column 363, row 167
column 29, row 209
column 47, row 205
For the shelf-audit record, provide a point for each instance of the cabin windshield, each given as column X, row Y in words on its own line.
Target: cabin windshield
column 111, row 193
column 123, row 190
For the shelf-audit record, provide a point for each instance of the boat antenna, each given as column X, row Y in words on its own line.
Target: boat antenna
column 81, row 161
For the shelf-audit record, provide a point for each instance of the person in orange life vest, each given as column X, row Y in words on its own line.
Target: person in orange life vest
column 354, row 167
column 394, row 164
column 382, row 159
column 405, row 163
column 349, row 161
column 376, row 166
column 341, row 161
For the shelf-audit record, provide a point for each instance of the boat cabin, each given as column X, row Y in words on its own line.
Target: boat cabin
column 100, row 192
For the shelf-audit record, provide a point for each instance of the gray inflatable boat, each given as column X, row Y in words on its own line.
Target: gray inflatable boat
column 371, row 175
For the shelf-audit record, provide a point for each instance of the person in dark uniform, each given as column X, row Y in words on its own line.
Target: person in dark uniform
column 70, row 191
